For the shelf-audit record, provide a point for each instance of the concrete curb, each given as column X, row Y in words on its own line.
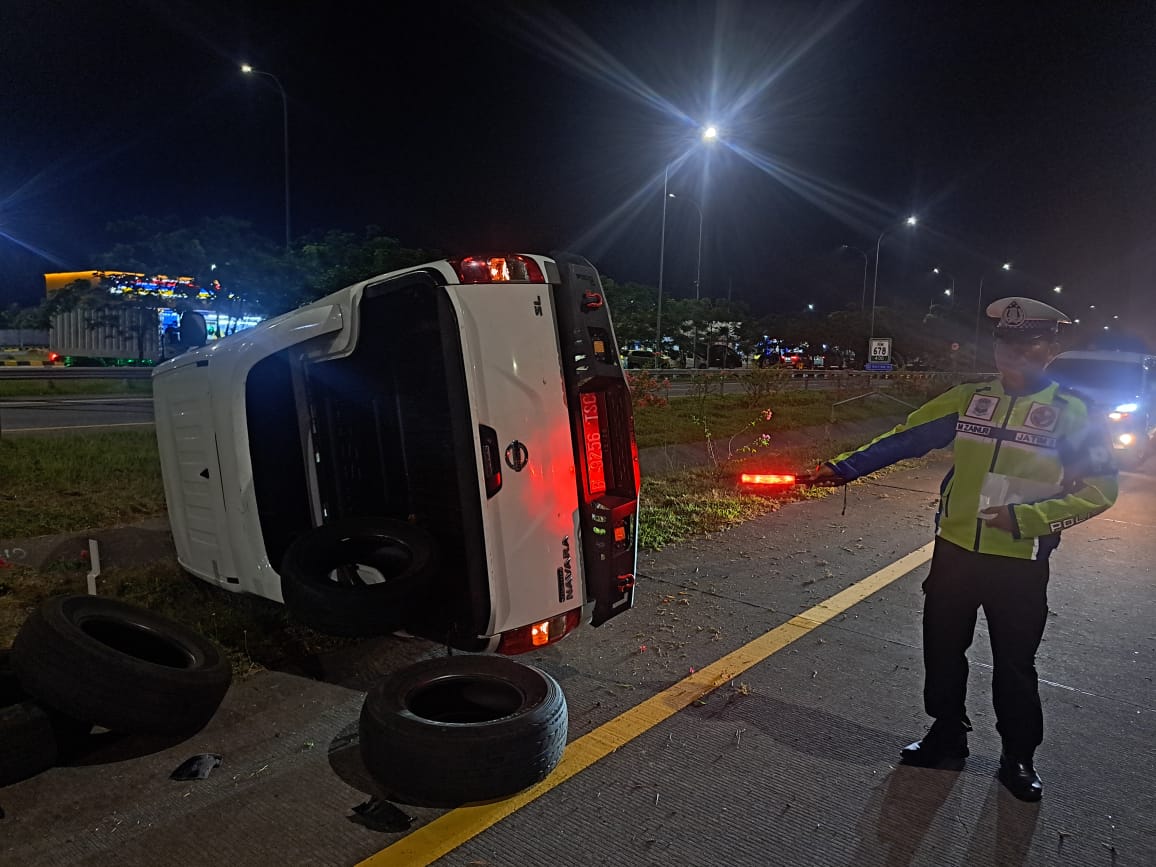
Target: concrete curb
column 134, row 545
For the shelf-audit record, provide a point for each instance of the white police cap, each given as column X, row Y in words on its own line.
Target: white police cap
column 1026, row 314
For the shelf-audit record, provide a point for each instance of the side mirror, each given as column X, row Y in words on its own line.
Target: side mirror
column 194, row 331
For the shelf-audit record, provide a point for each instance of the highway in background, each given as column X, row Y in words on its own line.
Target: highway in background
column 45, row 415
column 53, row 414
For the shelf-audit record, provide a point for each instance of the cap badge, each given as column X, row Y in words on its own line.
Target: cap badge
column 1013, row 316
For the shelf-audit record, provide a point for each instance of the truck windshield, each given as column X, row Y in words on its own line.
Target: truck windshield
column 1095, row 375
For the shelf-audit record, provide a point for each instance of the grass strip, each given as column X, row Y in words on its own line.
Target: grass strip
column 18, row 388
column 693, row 418
column 254, row 633
column 67, row 483
column 74, row 482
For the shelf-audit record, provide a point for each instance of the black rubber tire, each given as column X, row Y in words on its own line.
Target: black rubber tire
column 119, row 666
column 460, row 729
column 401, row 552
column 32, row 737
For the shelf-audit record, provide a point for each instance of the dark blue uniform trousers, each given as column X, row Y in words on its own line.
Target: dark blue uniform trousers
column 1014, row 596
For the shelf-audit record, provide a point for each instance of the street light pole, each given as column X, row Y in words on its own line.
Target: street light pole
column 866, row 260
column 1006, row 266
column 910, row 221
column 249, row 70
column 661, row 263
column 697, row 273
column 709, row 134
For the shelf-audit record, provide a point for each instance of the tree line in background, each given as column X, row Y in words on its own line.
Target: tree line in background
column 259, row 277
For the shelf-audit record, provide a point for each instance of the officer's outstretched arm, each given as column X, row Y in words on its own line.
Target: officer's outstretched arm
column 1090, row 486
column 932, row 426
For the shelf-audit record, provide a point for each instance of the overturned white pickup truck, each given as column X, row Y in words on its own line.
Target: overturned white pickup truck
column 447, row 449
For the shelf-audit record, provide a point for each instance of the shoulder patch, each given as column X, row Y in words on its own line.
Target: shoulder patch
column 1042, row 416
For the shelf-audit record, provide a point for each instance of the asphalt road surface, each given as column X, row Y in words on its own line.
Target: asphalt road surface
column 48, row 415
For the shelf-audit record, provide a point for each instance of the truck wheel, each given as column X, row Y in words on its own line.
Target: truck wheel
column 32, row 736
column 458, row 729
column 119, row 666
column 324, row 575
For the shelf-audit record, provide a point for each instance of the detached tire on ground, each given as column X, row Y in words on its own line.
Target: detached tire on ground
column 32, row 737
column 401, row 553
column 120, row 666
column 458, row 729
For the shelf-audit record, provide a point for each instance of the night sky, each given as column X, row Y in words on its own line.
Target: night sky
column 1019, row 131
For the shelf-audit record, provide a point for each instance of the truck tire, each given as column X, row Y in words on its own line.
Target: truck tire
column 459, row 729
column 400, row 553
column 32, row 737
column 119, row 666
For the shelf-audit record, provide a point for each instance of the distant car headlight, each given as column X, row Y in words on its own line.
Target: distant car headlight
column 1128, row 407
column 1125, row 439
column 1116, row 416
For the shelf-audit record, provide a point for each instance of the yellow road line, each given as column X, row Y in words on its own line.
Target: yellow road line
column 77, row 427
column 452, row 829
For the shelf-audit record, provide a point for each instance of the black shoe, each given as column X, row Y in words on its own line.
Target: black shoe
column 1020, row 778
column 935, row 749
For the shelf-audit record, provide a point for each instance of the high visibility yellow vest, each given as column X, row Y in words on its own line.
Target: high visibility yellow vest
column 1044, row 456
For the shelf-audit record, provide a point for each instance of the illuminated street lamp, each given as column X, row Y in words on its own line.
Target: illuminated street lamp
column 910, row 221
column 1006, row 266
column 1058, row 289
column 708, row 135
column 249, row 70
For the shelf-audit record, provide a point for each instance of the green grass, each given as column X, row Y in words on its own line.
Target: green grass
column 79, row 481
column 74, row 482
column 254, row 633
column 16, row 388
column 690, row 503
column 687, row 419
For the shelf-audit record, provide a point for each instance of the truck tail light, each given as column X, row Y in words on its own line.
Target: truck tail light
column 506, row 268
column 535, row 635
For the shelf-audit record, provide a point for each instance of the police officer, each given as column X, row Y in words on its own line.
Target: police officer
column 1029, row 461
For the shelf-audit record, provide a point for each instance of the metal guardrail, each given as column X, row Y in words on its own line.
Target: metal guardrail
column 851, row 378
column 36, row 372
column 795, row 373
column 673, row 374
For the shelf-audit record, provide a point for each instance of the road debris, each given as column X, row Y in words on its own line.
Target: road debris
column 377, row 814
column 196, row 768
